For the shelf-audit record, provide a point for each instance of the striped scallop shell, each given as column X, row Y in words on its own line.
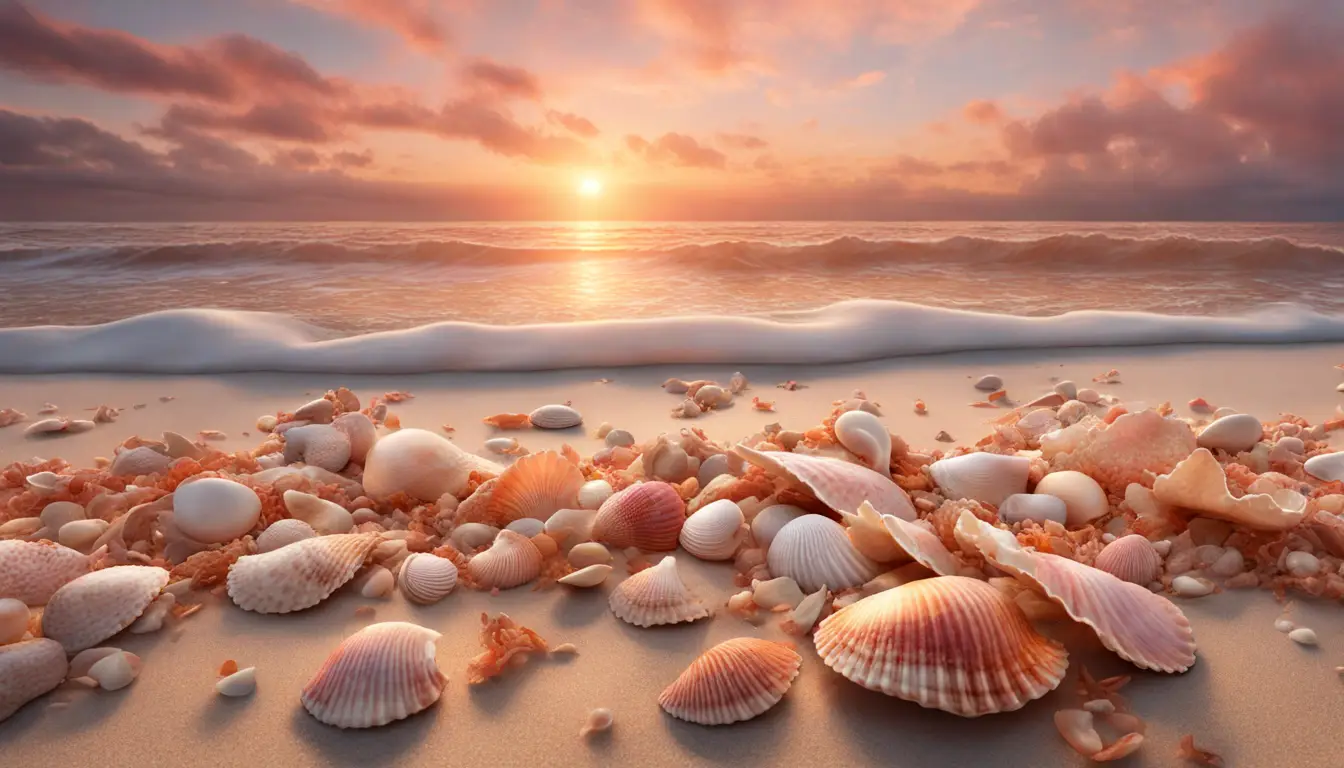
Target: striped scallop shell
column 714, row 531
column 734, row 681
column 816, row 552
column 29, row 669
column 32, row 571
column 426, row 578
column 949, row 643
column 299, row 575
column 647, row 516
column 382, row 673
column 1130, row 558
column 283, row 532
column 838, row 484
column 535, row 486
column 511, row 561
column 555, row 417
column 655, row 596
column 100, row 604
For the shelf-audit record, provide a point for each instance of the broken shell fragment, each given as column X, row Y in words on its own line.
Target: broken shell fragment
column 840, row 485
column 589, row 576
column 240, row 683
column 1199, row 484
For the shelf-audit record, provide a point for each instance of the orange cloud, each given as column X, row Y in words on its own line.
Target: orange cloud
column 414, row 20
column 741, row 141
column 677, row 149
column 864, row 80
column 482, row 74
column 983, row 112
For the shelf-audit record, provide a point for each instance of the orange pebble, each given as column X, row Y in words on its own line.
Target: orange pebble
column 228, row 668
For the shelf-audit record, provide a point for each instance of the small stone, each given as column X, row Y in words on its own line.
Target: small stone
column 1205, row 530
column 1303, row 636
column 1067, row 389
column 1162, row 548
column 1089, row 396
column 1302, row 564
column 1230, row 563
column 1189, row 586
column 989, row 383
column 1284, row 625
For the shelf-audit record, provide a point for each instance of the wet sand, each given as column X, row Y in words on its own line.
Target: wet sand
column 1253, row 696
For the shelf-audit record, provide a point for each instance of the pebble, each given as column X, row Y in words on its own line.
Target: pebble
column 1067, row 389
column 1284, row 625
column 1302, row 564
column 1162, row 548
column 1089, row 396
column 1205, row 530
column 989, row 383
column 13, row 620
column 1189, row 586
column 1303, row 636
column 1208, row 554
column 240, row 683
column 1230, row 563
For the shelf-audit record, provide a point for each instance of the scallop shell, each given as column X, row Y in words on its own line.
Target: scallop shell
column 382, row 673
column 422, row 465
column 139, row 461
column 590, row 576
column 1145, row 629
column 864, row 436
column 100, row 604
column 1130, row 558
column 426, row 578
column 512, row 560
column 536, row 486
column 29, row 669
column 1021, row 507
column 298, row 575
column 1199, row 484
column 1326, row 466
column 840, row 485
column 766, row 524
column 1234, row 434
column 324, row 517
column 647, row 516
column 815, row 552
column 655, row 596
column 714, row 531
column 555, row 417
column 950, row 643
column 985, row 477
column 868, row 534
column 360, row 431
column 575, row 524
column 213, row 510
column 283, row 532
column 32, row 571
column 1084, row 499
column 593, row 493
column 919, row 541
column 734, row 681
column 318, row 445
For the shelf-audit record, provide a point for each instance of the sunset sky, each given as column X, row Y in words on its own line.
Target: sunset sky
column 679, row 109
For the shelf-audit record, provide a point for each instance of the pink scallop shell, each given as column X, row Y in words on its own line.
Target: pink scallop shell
column 840, row 485
column 100, row 604
column 511, row 561
column 536, row 486
column 32, row 571
column 426, row 578
column 648, row 516
column 656, row 596
column 382, row 673
column 734, row 681
column 1130, row 558
column 299, row 575
column 27, row 670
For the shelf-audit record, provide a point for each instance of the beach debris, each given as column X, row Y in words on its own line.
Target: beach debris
column 238, row 683
column 298, row 575
column 509, row 421
column 1110, row 377
column 735, row 680
column 9, row 417
column 790, row 385
column 100, row 604
column 1304, row 636
column 426, row 578
column 656, row 595
column 397, row 397
column 588, row 576
column 920, row 408
column 382, row 673
column 944, row 437
column 511, row 561
column 1188, row 751
column 1200, row 405
column 47, row 409
column 555, row 417
column 29, row 669
column 989, row 383
column 503, row 640
column 816, row 552
column 714, row 531
column 737, row 383
column 599, row 721
column 115, row 670
column 762, row 405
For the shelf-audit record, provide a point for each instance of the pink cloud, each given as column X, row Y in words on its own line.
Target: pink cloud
column 741, row 141
column 482, row 74
column 575, row 124
column 414, row 20
column 863, row 81
column 983, row 112
column 677, row 149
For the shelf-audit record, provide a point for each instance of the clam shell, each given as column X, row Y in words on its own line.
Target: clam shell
column 734, row 681
column 1234, row 434
column 815, row 552
column 426, row 578
column 29, row 669
column 422, row 465
column 919, row 541
column 139, row 461
column 1199, row 484
column 714, row 531
column 555, row 417
column 985, row 477
column 298, row 575
column 213, row 510
column 324, row 517
column 318, row 445
column 1143, row 628
column 647, row 516
column 588, row 553
column 1327, row 466
column 1130, row 558
column 840, row 485
column 382, row 673
column 536, row 486
column 100, row 604
column 283, row 532
column 766, row 524
column 575, row 524
column 593, row 493
column 989, row 383
column 864, row 436
column 361, row 433
column 1084, row 498
column 1021, row 507
column 949, row 643
column 590, row 576
column 32, row 571
column 512, row 560
column 656, row 596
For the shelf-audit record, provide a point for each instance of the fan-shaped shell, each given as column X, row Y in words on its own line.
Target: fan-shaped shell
column 815, row 552
column 590, row 576
column 214, row 510
column 535, row 486
column 1199, row 484
column 382, row 673
column 422, row 465
column 1235, row 433
column 100, row 604
column 512, row 560
column 298, row 575
column 864, row 436
column 426, row 578
column 647, row 516
column 282, row 532
column 324, row 517
column 714, row 531
column 919, row 541
column 949, row 643
column 32, row 571
column 655, row 596
column 1130, row 558
column 735, row 680
column 766, row 524
column 840, row 485
column 29, row 669
column 555, row 417
column 985, row 477
column 1145, row 629
column 1084, row 498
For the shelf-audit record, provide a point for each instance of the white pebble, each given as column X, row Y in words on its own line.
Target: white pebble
column 240, row 683
column 1303, row 636
column 598, row 720
column 1284, row 625
column 1108, row 537
column 1162, row 548
column 1230, row 563
column 1189, row 586
column 1302, row 564
column 114, row 671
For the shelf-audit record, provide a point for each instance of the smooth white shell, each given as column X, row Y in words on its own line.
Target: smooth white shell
column 984, row 477
column 469, row 537
column 81, row 534
column 815, row 551
column 989, row 383
column 1327, row 466
column 1235, row 433
column 325, row 517
column 593, row 493
column 714, row 531
column 864, row 436
column 766, row 524
column 1039, row 507
column 214, row 510
column 1083, row 497
column 282, row 532
column 589, row 576
column 240, row 683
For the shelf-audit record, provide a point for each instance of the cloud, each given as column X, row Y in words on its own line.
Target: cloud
column 47, row 142
column 346, row 159
column 677, row 149
column 287, row 122
column 575, row 124
column 741, row 141
column 482, row 74
column 983, row 112
column 863, row 81
column 414, row 20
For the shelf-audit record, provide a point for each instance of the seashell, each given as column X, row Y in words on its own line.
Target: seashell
column 512, row 560
column 575, row 524
column 32, row 571
column 555, row 417
column 14, row 617
column 426, row 578
column 1301, row 564
column 298, row 575
column 1050, row 400
column 766, row 524
column 43, row 481
column 712, row 396
column 324, row 517
column 714, row 531
column 589, row 576
column 1084, row 499
column 283, row 532
column 318, row 445
column 735, row 680
column 815, row 552
column 618, row 438
column 382, row 673
column 29, row 669
column 1037, row 423
column 715, row 466
column 989, row 383
column 1199, row 484
column 1120, row 454
column 502, row 445
column 55, row 515
column 535, row 486
column 527, row 526
column 153, row 617
column 647, row 516
column 864, row 436
column 240, row 683
column 316, row 412
column 179, row 447
column 1326, row 466
column 1304, row 636
column 1072, row 412
column 869, row 536
column 593, row 493
column 1037, row 507
column 950, row 643
column 775, row 593
column 599, row 720
column 1067, row 390
column 360, row 431
column 806, row 613
column 985, row 477
column 656, row 596
column 116, row 670
column 840, row 485
column 100, row 604
column 1131, row 558
column 469, row 537
column 139, row 461
column 1190, row 586
column 25, row 527
column 214, row 510
column 377, row 581
column 422, row 465
column 588, row 553
column 919, row 541
column 1234, row 434
column 1143, row 628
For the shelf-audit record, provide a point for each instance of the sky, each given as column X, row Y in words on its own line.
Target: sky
column 155, row 110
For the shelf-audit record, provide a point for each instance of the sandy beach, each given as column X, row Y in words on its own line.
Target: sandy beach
column 1253, row 696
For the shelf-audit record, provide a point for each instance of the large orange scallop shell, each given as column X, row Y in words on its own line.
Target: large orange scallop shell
column 536, row 486
column 299, row 575
column 655, row 596
column 647, row 516
column 382, row 673
column 1130, row 558
column 838, row 484
column 511, row 561
column 733, row 681
column 32, row 571
column 100, row 604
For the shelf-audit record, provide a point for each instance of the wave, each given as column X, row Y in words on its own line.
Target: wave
column 196, row 341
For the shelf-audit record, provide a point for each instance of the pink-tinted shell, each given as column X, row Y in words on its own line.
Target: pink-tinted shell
column 511, row 561
column 426, row 578
column 535, row 486
column 319, row 445
column 32, row 571
column 840, row 485
column 27, row 670
column 100, row 604
column 298, row 575
column 1130, row 558
column 656, row 596
column 647, row 516
column 1135, row 443
column 734, row 681
column 382, row 673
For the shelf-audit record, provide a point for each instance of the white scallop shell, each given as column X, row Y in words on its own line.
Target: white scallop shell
column 426, row 578
column 282, row 532
column 766, row 524
column 382, row 673
column 815, row 551
column 512, row 560
column 1235, row 433
column 1084, row 498
column 325, row 517
column 656, row 596
column 590, row 576
column 984, row 477
column 214, row 510
column 556, row 417
column 100, row 604
column 714, row 531
column 864, row 436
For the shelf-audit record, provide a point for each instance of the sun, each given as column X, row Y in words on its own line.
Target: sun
column 590, row 186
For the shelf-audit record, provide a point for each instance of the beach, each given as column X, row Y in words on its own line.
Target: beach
column 1253, row 696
